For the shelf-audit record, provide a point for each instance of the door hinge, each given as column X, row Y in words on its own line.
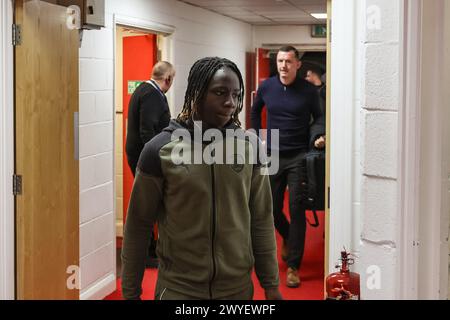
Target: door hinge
column 16, row 35
column 328, row 197
column 17, row 185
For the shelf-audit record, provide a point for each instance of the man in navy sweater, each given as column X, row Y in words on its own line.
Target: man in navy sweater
column 293, row 108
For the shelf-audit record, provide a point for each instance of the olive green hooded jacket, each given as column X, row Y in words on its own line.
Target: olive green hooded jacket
column 215, row 220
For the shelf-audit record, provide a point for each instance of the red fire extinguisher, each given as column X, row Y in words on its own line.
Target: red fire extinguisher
column 343, row 285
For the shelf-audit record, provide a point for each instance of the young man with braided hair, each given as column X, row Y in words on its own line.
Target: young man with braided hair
column 215, row 220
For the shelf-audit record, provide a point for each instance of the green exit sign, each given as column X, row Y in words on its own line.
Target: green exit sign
column 132, row 85
column 319, row 31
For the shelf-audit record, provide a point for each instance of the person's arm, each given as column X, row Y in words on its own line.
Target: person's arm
column 164, row 119
column 263, row 234
column 256, row 110
column 317, row 128
column 152, row 107
column 145, row 203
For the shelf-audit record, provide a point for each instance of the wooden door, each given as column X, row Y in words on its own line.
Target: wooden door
column 47, row 214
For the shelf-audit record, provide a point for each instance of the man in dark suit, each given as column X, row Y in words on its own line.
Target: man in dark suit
column 148, row 115
column 148, row 112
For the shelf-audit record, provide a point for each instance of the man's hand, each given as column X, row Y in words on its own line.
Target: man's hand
column 320, row 143
column 273, row 294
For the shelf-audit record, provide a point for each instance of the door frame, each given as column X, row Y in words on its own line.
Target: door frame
column 7, row 220
column 421, row 264
column 145, row 26
column 327, row 147
column 433, row 219
column 409, row 150
column 341, row 224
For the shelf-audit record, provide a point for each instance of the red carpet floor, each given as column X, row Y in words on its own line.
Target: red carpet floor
column 311, row 272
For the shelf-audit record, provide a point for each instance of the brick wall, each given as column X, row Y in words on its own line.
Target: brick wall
column 379, row 148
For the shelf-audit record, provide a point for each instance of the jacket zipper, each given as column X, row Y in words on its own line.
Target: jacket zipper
column 213, row 230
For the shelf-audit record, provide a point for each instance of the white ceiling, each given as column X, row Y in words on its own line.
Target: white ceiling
column 266, row 12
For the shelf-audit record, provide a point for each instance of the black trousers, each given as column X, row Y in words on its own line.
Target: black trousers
column 132, row 162
column 290, row 175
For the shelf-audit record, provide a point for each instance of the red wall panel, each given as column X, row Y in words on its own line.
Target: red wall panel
column 139, row 57
column 263, row 74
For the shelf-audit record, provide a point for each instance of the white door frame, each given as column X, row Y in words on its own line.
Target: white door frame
column 423, row 205
column 446, row 158
column 146, row 26
column 433, row 218
column 343, row 129
column 7, row 254
column 409, row 149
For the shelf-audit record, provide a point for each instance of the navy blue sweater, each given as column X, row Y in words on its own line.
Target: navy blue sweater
column 290, row 109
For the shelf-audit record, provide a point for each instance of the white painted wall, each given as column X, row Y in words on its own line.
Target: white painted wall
column 198, row 33
column 364, row 125
column 277, row 36
column 97, row 238
column 375, row 224
column 6, row 154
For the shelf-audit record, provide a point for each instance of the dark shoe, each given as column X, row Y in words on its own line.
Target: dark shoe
column 151, row 262
column 284, row 251
column 292, row 279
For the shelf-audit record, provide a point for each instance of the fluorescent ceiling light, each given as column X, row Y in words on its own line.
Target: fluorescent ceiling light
column 320, row 15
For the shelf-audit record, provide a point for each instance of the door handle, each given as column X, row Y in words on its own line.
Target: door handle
column 76, row 140
column 252, row 98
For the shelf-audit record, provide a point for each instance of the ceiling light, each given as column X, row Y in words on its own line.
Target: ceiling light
column 319, row 15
